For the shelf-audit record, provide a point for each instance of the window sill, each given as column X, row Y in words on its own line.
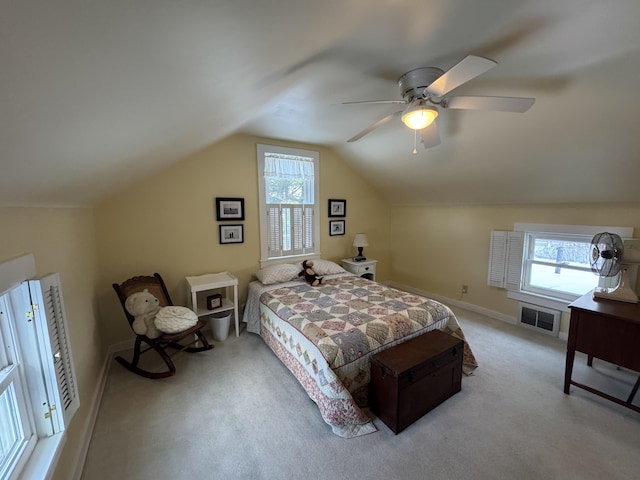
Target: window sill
column 42, row 461
column 541, row 300
column 289, row 259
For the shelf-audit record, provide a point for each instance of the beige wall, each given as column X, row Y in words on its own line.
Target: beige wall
column 167, row 223
column 63, row 240
column 437, row 249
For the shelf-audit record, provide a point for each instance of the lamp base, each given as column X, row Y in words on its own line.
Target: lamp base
column 359, row 258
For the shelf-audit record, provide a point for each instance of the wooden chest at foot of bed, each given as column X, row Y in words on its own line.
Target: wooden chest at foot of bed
column 410, row 379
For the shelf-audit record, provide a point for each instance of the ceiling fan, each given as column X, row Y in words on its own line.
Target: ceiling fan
column 424, row 91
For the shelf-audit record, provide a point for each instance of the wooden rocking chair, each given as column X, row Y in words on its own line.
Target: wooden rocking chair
column 155, row 285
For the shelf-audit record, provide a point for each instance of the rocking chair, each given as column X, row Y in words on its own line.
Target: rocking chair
column 155, row 285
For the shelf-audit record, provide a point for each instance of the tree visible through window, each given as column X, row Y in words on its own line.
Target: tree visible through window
column 288, row 188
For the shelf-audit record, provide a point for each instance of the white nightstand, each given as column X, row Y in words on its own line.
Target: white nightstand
column 202, row 286
column 366, row 268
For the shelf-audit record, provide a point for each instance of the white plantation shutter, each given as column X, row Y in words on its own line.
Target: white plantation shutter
column 515, row 248
column 33, row 328
column 55, row 353
column 308, row 228
column 275, row 230
column 497, row 258
column 290, row 229
column 297, row 229
column 288, row 188
column 505, row 259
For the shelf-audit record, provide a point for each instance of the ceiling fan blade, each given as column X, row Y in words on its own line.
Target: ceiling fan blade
column 501, row 104
column 463, row 71
column 372, row 127
column 430, row 135
column 374, row 101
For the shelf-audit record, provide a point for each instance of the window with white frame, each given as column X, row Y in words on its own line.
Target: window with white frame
column 289, row 207
column 548, row 260
column 558, row 265
column 17, row 430
column 38, row 393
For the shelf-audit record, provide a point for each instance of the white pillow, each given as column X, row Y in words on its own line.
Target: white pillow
column 174, row 319
column 278, row 273
column 327, row 267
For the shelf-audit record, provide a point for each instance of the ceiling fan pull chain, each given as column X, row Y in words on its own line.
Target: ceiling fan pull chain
column 415, row 141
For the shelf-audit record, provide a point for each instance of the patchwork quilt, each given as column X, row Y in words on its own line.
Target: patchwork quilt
column 325, row 336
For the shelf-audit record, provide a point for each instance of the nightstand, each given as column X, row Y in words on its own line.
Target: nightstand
column 366, row 268
column 210, row 284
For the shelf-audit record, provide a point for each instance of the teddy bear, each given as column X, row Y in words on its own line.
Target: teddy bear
column 310, row 275
column 143, row 306
column 152, row 320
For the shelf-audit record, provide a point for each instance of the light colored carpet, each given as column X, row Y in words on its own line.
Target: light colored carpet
column 236, row 412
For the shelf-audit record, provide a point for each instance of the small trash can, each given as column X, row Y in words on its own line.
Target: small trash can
column 220, row 322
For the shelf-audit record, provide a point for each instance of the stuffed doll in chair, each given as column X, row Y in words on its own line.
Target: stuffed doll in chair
column 152, row 320
column 143, row 306
column 310, row 275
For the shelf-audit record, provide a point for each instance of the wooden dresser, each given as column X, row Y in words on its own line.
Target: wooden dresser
column 608, row 330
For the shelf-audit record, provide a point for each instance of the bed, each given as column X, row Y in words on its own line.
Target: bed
column 325, row 335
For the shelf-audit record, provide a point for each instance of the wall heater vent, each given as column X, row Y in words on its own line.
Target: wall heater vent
column 539, row 318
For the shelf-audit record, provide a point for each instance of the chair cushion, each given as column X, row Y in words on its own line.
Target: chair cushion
column 174, row 319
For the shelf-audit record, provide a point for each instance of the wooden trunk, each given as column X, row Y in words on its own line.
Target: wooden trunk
column 410, row 379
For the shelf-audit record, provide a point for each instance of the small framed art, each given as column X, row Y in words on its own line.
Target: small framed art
column 337, row 208
column 214, row 301
column 336, row 227
column 231, row 233
column 229, row 209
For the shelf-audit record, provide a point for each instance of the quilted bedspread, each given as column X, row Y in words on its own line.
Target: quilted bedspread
column 325, row 335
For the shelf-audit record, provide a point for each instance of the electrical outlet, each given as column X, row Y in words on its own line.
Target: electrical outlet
column 464, row 289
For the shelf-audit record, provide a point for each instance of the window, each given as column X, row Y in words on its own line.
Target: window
column 289, row 205
column 558, row 265
column 551, row 261
column 38, row 394
column 17, row 429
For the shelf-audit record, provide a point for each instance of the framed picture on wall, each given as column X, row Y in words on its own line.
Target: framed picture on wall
column 336, row 227
column 229, row 209
column 337, row 208
column 231, row 234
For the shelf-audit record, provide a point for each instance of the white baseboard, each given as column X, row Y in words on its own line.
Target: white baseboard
column 455, row 303
column 120, row 347
column 467, row 306
column 95, row 406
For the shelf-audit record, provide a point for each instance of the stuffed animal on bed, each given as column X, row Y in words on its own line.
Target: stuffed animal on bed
column 310, row 275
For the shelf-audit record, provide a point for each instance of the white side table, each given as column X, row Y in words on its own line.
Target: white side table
column 203, row 285
column 365, row 268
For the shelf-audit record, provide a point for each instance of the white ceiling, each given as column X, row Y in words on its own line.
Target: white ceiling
column 97, row 94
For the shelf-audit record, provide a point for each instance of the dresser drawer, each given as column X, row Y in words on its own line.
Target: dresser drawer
column 360, row 269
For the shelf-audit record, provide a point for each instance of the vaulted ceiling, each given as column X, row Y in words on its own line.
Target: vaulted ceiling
column 98, row 94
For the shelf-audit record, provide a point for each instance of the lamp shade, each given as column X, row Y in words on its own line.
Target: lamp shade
column 419, row 116
column 360, row 240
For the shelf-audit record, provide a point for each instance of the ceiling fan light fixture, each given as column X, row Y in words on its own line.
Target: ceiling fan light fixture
column 418, row 117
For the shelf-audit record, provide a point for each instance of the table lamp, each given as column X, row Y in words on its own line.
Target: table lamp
column 360, row 241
